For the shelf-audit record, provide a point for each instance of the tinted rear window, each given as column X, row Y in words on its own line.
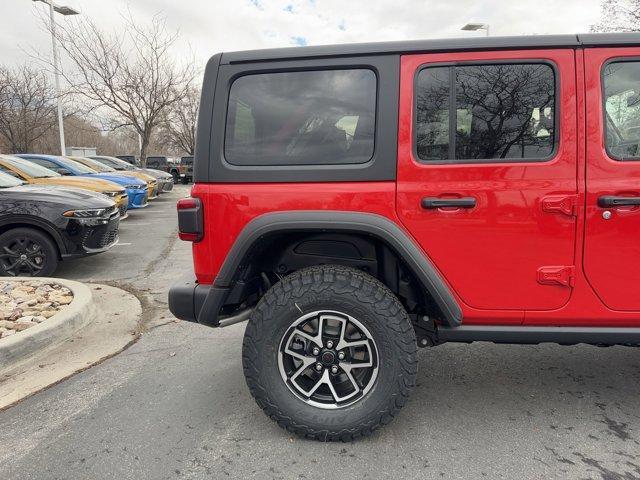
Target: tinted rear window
column 302, row 118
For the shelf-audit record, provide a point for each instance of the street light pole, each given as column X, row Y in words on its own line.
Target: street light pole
column 56, row 68
column 64, row 10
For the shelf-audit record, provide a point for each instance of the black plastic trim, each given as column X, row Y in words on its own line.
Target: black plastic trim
column 621, row 39
column 186, row 297
column 437, row 45
column 203, row 133
column 535, row 335
column 430, row 203
column 612, row 201
column 418, row 46
column 363, row 223
column 382, row 165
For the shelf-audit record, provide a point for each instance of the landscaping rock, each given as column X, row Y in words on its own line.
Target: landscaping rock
column 25, row 304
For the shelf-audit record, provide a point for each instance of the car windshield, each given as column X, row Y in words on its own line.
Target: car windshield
column 7, row 181
column 76, row 167
column 30, row 169
column 116, row 163
column 95, row 165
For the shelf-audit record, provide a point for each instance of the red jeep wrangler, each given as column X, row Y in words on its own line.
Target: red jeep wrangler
column 356, row 202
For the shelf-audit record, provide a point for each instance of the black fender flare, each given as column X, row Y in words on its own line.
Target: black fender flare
column 328, row 220
column 26, row 220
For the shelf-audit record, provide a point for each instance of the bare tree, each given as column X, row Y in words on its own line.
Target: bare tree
column 27, row 108
column 131, row 74
column 178, row 131
column 618, row 16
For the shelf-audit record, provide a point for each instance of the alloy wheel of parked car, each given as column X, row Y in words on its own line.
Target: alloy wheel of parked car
column 328, row 359
column 26, row 252
column 330, row 353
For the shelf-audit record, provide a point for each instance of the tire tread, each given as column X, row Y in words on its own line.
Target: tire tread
column 365, row 289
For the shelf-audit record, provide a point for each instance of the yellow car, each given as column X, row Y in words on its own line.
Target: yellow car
column 32, row 173
column 151, row 182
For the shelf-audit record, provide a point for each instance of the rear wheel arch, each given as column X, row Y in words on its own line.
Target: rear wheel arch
column 376, row 243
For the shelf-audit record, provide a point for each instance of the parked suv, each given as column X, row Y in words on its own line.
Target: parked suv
column 187, row 163
column 165, row 164
column 356, row 202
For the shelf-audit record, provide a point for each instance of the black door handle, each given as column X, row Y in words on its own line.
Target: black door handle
column 435, row 202
column 607, row 201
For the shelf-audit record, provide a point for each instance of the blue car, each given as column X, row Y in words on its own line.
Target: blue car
column 137, row 190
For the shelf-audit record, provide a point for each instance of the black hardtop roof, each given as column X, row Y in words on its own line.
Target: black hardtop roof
column 436, row 45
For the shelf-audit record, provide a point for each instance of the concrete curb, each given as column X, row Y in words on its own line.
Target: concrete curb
column 112, row 327
column 56, row 329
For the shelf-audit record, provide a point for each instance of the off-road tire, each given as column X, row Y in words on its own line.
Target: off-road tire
column 354, row 293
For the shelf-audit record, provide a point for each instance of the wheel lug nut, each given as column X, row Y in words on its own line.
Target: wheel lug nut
column 334, row 369
column 318, row 366
column 316, row 351
column 341, row 355
column 329, row 344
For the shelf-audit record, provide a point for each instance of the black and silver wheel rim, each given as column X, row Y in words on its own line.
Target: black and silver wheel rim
column 21, row 256
column 328, row 359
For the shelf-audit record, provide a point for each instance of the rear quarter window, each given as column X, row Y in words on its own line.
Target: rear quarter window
column 322, row 117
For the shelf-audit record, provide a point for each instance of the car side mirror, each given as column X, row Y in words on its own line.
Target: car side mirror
column 64, row 171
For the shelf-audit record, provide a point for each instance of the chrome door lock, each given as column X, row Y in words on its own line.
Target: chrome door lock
column 606, row 214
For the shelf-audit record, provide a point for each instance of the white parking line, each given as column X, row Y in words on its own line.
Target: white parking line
column 121, row 244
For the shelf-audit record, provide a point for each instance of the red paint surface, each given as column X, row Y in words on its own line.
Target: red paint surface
column 489, row 255
column 612, row 247
column 229, row 207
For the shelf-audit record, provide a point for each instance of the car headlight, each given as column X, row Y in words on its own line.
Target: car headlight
column 111, row 194
column 86, row 213
column 134, row 187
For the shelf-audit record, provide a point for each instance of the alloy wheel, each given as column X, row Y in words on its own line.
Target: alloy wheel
column 21, row 255
column 328, row 359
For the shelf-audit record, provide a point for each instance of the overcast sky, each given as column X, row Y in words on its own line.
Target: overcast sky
column 209, row 26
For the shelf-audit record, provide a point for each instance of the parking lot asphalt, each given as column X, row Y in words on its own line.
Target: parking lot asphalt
column 175, row 405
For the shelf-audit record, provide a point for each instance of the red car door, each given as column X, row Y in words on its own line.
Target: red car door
column 487, row 174
column 612, row 235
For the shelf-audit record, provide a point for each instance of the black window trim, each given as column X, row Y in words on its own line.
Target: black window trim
column 381, row 167
column 453, row 119
column 235, row 78
column 604, row 107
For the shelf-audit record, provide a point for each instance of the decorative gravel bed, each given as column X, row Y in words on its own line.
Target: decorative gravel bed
column 24, row 304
